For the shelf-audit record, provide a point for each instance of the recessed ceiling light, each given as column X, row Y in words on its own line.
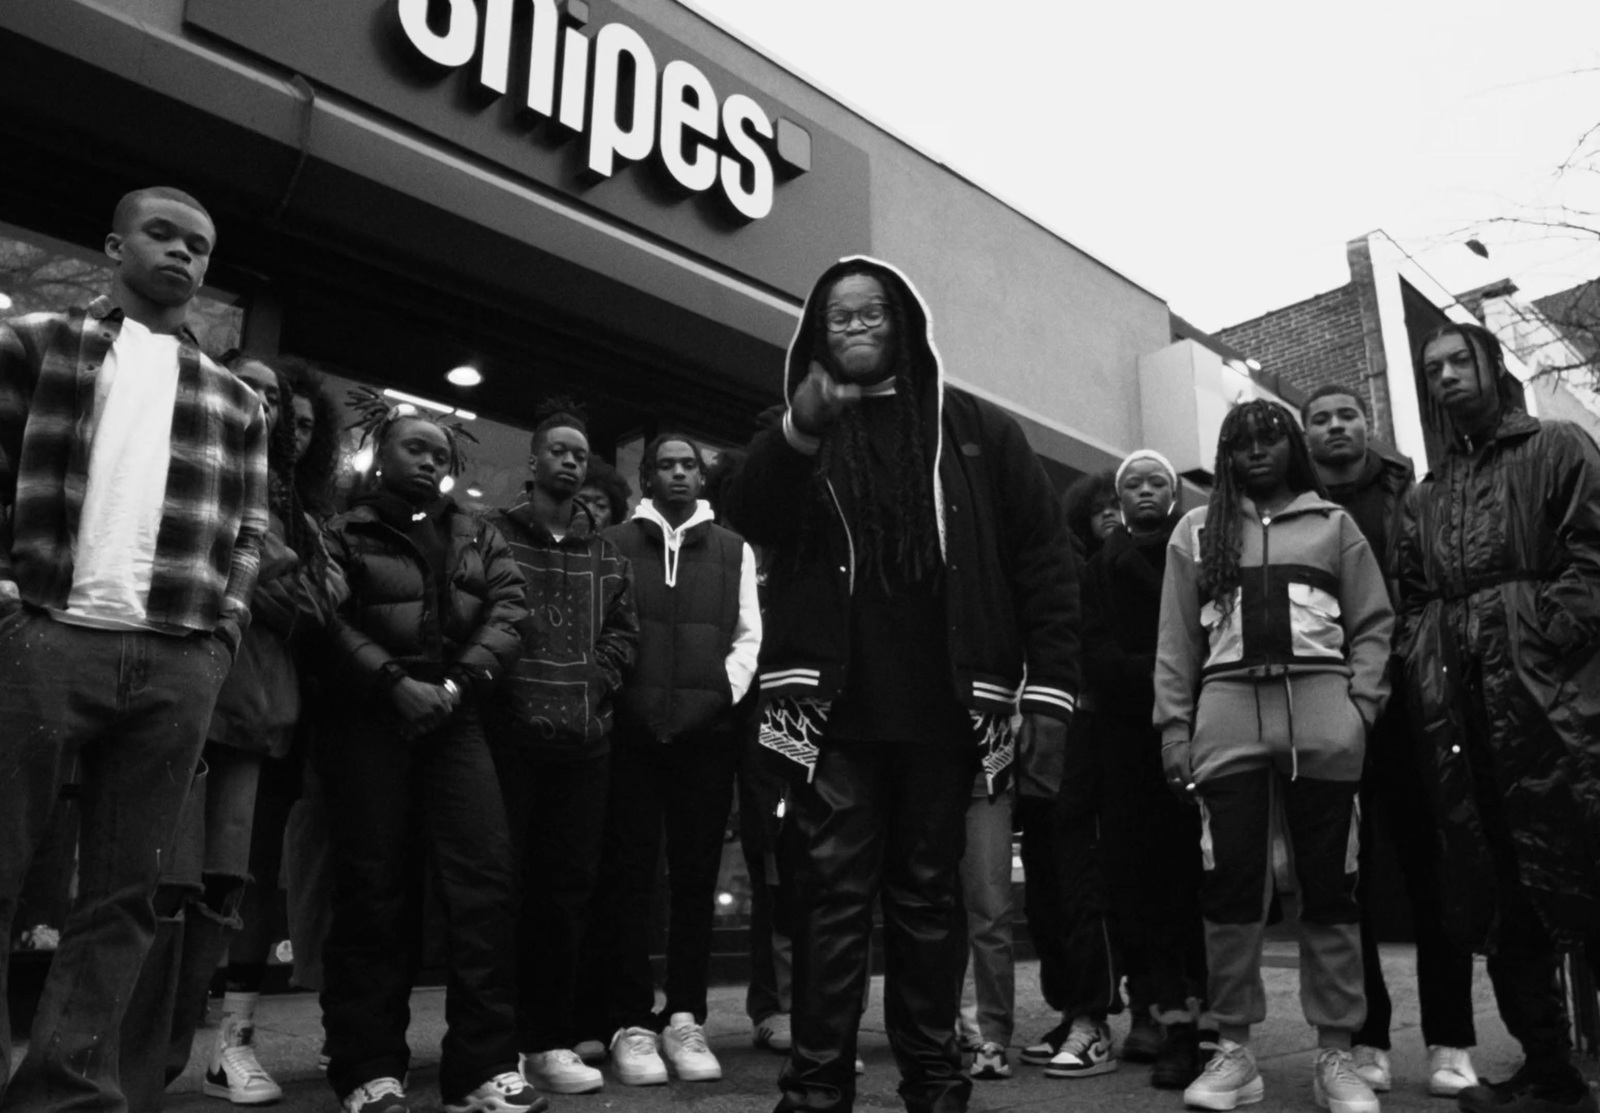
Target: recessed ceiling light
column 465, row 375
column 475, row 492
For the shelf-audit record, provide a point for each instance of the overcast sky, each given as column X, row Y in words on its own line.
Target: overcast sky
column 1222, row 153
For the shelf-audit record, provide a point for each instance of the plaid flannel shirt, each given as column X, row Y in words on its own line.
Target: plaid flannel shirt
column 215, row 512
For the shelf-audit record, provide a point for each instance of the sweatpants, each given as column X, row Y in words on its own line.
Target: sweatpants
column 1295, row 745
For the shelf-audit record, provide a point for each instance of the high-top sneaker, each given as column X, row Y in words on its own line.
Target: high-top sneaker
column 234, row 1071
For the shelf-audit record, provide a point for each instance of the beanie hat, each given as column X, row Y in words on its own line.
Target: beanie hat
column 1148, row 454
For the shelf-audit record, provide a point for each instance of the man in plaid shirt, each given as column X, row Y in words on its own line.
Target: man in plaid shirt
column 133, row 486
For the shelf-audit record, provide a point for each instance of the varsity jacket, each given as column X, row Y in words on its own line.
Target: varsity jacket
column 1010, row 580
column 1311, row 598
column 579, row 636
column 699, row 623
column 214, row 514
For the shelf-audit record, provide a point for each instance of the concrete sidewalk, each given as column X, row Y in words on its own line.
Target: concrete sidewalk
column 289, row 1036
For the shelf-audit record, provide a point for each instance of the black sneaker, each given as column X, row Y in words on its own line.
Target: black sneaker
column 1143, row 1042
column 381, row 1095
column 1178, row 1061
column 1528, row 1091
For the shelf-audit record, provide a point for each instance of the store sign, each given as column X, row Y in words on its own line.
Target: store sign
column 612, row 90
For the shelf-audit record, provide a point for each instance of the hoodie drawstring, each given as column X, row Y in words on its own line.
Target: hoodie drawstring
column 1261, row 730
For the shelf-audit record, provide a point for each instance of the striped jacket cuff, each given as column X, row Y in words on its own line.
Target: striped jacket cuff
column 1050, row 701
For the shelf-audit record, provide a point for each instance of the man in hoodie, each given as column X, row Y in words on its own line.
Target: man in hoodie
column 1497, row 565
column 1371, row 486
column 919, row 570
column 677, row 750
column 551, row 731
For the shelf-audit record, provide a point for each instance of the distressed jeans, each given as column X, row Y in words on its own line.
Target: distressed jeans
column 132, row 708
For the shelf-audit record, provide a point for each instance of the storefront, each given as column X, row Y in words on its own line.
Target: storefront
column 615, row 200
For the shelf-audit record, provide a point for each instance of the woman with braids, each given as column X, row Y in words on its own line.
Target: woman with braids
column 429, row 629
column 250, row 733
column 919, row 570
column 1271, row 666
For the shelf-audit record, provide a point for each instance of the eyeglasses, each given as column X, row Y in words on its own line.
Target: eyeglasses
column 870, row 316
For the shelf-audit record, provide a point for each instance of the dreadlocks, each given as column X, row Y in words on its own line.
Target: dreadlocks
column 283, row 495
column 377, row 419
column 894, row 521
column 1221, row 537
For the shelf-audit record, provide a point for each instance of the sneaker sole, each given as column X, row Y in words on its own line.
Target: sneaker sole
column 552, row 1087
column 702, row 1074
column 212, row 1090
column 539, row 1106
column 1325, row 1102
column 1447, row 1089
column 1248, row 1094
column 1037, row 1058
column 990, row 1076
column 1082, row 1072
column 643, row 1078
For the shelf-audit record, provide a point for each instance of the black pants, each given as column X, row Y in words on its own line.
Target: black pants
column 1394, row 800
column 885, row 817
column 762, row 784
column 1090, row 967
column 391, row 806
column 684, row 790
column 557, row 814
column 1042, row 897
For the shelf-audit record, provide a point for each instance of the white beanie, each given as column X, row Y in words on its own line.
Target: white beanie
column 1148, row 454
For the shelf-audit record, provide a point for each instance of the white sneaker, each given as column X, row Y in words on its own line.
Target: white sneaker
column 504, row 1093
column 773, row 1032
column 1337, row 1087
column 381, row 1095
column 1372, row 1064
column 234, row 1071
column 1229, row 1080
column 1449, row 1071
column 1085, row 1052
column 683, row 1042
column 635, row 1059
column 560, row 1072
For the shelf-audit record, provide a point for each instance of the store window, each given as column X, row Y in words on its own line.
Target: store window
column 42, row 274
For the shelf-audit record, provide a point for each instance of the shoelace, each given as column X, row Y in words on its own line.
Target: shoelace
column 639, row 1043
column 1344, row 1070
column 1222, row 1057
column 381, row 1088
column 509, row 1083
column 566, row 1058
column 691, row 1039
column 242, row 1060
column 1080, row 1039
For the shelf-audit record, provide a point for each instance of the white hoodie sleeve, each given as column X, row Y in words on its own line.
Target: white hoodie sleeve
column 746, row 649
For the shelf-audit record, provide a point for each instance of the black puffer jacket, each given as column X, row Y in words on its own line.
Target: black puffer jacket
column 1498, row 563
column 396, row 623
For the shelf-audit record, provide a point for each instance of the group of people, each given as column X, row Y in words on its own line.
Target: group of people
column 878, row 624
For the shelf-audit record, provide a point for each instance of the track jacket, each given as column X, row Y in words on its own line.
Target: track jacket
column 1010, row 592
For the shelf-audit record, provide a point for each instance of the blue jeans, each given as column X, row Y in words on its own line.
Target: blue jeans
column 132, row 708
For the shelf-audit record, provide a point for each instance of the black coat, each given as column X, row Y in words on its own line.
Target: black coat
column 396, row 623
column 1498, row 563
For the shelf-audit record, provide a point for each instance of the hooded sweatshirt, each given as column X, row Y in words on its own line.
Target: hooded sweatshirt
column 1311, row 598
column 699, row 622
column 1008, row 583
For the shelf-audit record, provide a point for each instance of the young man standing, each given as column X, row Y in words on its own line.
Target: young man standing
column 552, row 739
column 678, row 747
column 1372, row 487
column 133, row 502
column 1498, row 570
column 922, row 591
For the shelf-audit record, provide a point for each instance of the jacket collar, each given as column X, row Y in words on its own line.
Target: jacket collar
column 578, row 526
column 1306, row 502
column 104, row 309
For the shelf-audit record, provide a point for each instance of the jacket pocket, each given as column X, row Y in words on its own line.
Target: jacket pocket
column 1224, row 633
column 1314, row 625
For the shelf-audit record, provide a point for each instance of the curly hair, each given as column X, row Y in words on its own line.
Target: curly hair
column 609, row 482
column 315, row 472
column 895, row 518
column 1221, row 539
column 1085, row 497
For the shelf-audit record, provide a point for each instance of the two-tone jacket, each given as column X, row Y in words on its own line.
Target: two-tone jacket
column 1010, row 579
column 1311, row 599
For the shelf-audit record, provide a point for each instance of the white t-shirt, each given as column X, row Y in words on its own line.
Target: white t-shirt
column 115, row 550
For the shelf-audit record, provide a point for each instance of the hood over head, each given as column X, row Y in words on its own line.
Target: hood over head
column 1513, row 398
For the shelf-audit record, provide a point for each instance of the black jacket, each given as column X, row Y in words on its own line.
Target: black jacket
column 1011, row 592
column 1375, row 499
column 396, row 623
column 1498, row 568
column 579, row 636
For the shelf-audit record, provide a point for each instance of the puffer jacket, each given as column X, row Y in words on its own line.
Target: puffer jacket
column 391, row 626
column 1498, row 563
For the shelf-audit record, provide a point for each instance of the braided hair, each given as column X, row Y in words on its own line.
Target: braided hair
column 1221, row 539
column 377, row 420
column 895, row 521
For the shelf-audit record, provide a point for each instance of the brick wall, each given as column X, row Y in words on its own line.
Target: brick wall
column 1307, row 344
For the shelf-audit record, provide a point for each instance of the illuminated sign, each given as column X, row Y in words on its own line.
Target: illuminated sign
column 612, row 90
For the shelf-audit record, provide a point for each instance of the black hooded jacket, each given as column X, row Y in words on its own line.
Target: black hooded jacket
column 1498, row 570
column 1010, row 583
